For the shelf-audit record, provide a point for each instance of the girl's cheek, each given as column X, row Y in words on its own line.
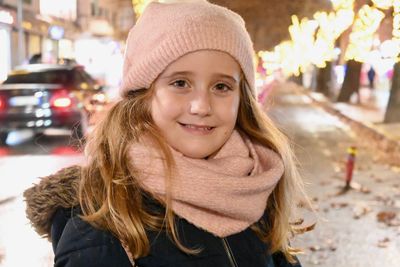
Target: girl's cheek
column 171, row 109
column 228, row 109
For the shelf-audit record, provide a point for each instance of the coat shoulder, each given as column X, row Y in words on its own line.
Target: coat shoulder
column 77, row 243
column 55, row 191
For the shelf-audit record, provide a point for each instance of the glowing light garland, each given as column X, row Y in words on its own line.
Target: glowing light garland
column 307, row 47
column 342, row 4
column 362, row 35
column 292, row 56
column 331, row 26
column 302, row 35
column 295, row 55
column 383, row 4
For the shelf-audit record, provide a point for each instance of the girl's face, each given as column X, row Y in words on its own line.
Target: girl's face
column 196, row 102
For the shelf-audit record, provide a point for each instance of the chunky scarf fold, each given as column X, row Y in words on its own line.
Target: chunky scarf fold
column 224, row 194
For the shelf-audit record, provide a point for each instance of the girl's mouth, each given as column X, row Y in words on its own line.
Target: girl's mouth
column 199, row 129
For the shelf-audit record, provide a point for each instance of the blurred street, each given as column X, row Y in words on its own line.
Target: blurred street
column 20, row 166
column 358, row 228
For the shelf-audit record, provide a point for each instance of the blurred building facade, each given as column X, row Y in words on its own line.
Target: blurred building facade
column 82, row 30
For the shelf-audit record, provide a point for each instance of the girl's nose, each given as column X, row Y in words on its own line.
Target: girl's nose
column 200, row 104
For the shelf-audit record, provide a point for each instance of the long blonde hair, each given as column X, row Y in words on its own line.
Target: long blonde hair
column 110, row 195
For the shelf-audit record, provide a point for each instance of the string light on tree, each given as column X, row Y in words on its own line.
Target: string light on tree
column 383, row 4
column 331, row 26
column 342, row 4
column 362, row 36
column 307, row 46
column 302, row 36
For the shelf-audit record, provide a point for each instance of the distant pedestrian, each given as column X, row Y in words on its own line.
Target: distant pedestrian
column 186, row 169
column 371, row 77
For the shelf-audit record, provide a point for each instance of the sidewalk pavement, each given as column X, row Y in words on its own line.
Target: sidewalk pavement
column 350, row 230
column 366, row 120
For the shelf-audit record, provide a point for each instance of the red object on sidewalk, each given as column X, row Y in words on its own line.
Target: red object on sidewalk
column 351, row 158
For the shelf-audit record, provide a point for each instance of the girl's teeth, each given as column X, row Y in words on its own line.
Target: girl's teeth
column 196, row 127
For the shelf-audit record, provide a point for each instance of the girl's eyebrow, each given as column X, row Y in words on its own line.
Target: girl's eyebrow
column 177, row 73
column 226, row 76
column 189, row 73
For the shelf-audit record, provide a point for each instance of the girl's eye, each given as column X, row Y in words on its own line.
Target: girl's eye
column 180, row 83
column 222, row 87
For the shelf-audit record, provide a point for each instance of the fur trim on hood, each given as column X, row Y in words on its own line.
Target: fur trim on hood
column 59, row 190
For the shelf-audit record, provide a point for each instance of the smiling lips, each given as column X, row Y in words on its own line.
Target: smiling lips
column 197, row 129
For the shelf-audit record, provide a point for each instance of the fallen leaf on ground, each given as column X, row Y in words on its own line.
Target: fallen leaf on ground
column 297, row 222
column 384, row 243
column 365, row 190
column 332, row 247
column 331, row 244
column 302, row 204
column 360, row 211
column 304, row 221
column 315, row 248
column 386, row 217
column 338, row 205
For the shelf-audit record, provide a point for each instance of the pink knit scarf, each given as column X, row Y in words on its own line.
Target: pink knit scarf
column 222, row 195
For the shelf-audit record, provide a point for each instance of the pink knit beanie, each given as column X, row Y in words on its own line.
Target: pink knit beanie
column 165, row 32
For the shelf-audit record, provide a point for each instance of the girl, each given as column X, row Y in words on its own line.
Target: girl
column 186, row 169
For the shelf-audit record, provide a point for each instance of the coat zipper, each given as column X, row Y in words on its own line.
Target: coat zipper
column 229, row 252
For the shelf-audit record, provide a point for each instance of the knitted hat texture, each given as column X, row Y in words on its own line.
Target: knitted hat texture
column 165, row 32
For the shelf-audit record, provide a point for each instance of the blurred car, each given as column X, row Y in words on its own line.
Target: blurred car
column 43, row 96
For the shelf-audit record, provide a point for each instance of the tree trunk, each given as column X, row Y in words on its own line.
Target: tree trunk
column 324, row 77
column 351, row 82
column 393, row 108
column 297, row 79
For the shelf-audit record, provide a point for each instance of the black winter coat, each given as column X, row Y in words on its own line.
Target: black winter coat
column 78, row 244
